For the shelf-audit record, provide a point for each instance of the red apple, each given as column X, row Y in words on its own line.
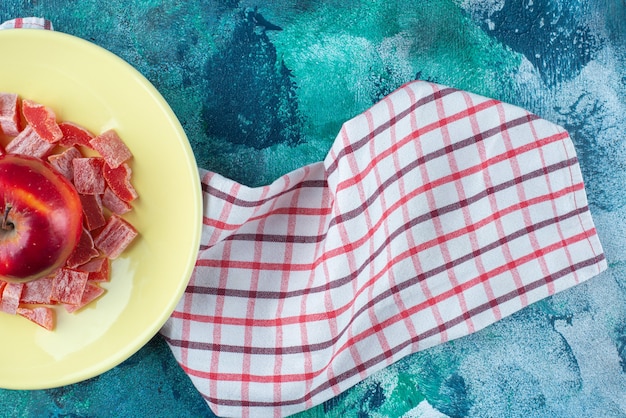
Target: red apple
column 40, row 218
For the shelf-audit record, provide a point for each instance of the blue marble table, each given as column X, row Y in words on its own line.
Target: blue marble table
column 303, row 68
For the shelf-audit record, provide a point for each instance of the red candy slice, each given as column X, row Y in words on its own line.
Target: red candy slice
column 74, row 134
column 102, row 274
column 38, row 291
column 40, row 315
column 118, row 179
column 84, row 251
column 111, row 148
column 92, row 292
column 113, row 203
column 28, row 142
column 92, row 266
column 43, row 120
column 9, row 114
column 64, row 162
column 92, row 211
column 115, row 237
column 68, row 286
column 88, row 178
column 11, row 297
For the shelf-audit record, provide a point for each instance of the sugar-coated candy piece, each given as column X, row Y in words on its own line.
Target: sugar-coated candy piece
column 38, row 291
column 84, row 251
column 92, row 292
column 115, row 237
column 88, row 178
column 40, row 315
column 68, row 286
column 74, row 134
column 103, row 274
column 93, row 214
column 28, row 142
column 11, row 295
column 111, row 148
column 42, row 119
column 63, row 162
column 92, row 266
column 113, row 203
column 9, row 114
column 118, row 180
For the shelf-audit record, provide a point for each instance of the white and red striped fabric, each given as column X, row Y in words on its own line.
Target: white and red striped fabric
column 27, row 23
column 436, row 213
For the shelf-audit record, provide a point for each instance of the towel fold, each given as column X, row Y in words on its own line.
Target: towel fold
column 436, row 213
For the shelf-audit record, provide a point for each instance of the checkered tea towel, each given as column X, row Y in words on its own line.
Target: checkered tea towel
column 436, row 213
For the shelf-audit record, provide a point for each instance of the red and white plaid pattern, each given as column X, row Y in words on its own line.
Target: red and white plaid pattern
column 436, row 213
column 27, row 23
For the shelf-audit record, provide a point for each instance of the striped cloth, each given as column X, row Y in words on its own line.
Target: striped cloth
column 436, row 213
column 27, row 23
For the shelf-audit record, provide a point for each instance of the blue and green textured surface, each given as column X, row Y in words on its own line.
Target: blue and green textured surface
column 262, row 88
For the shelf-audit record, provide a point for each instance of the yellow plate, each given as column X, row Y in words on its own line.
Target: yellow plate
column 88, row 85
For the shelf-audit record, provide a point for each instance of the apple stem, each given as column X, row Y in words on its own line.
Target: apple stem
column 6, row 224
